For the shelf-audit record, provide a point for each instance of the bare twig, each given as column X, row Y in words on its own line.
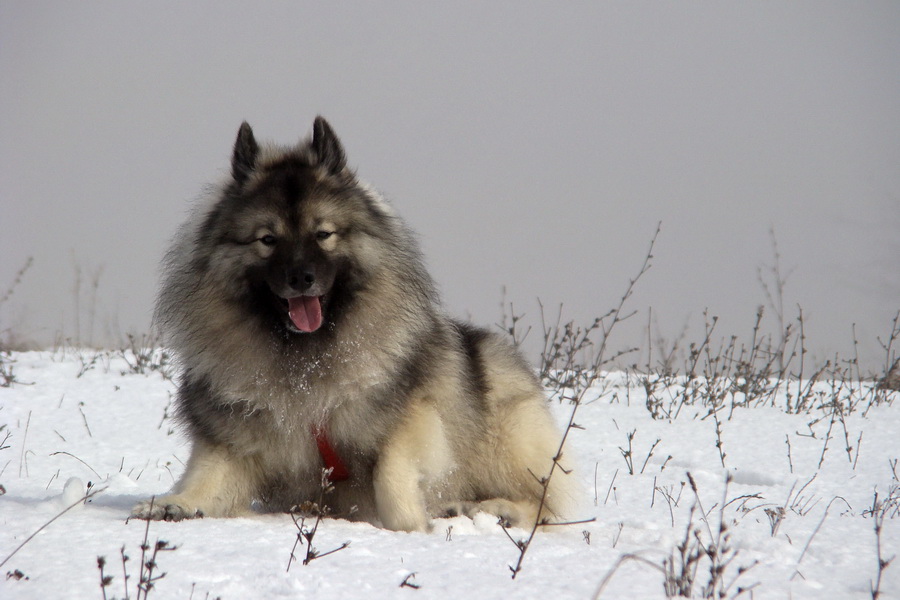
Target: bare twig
column 579, row 384
column 622, row 560
column 878, row 511
column 407, row 583
column 306, row 535
column 79, row 460
column 22, row 460
column 815, row 531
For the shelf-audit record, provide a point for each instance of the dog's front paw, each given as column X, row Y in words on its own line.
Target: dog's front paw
column 167, row 508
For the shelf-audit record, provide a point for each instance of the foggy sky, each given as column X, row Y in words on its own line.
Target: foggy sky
column 532, row 145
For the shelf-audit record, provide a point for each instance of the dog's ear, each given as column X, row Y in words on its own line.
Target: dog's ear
column 328, row 147
column 243, row 161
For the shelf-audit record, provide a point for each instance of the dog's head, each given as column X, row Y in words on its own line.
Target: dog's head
column 291, row 229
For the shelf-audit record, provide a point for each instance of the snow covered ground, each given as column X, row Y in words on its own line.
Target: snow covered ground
column 794, row 528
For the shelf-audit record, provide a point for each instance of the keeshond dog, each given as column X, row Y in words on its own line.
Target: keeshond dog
column 311, row 339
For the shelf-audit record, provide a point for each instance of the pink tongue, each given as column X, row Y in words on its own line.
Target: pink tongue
column 305, row 312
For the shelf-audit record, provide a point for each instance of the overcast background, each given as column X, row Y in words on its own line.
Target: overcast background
column 532, row 145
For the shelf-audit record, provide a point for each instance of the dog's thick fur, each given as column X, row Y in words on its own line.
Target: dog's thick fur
column 298, row 301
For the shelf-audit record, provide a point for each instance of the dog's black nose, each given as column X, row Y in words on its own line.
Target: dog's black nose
column 301, row 279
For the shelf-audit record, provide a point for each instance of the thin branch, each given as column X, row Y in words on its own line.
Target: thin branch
column 81, row 500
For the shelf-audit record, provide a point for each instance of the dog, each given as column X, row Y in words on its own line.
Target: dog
column 311, row 342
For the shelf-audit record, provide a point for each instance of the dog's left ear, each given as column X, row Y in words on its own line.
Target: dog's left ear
column 243, row 161
column 328, row 147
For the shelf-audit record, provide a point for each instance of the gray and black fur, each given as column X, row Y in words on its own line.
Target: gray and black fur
column 297, row 300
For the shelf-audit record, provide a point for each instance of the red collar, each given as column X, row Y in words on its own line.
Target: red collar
column 339, row 471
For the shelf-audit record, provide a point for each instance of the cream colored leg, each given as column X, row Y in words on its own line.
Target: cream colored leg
column 417, row 452
column 214, row 484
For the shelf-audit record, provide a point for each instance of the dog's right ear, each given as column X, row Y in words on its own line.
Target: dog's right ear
column 243, row 161
column 328, row 147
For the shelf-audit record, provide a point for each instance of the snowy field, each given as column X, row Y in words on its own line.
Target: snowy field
column 796, row 520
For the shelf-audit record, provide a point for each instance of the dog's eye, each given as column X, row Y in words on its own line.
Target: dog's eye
column 324, row 235
column 268, row 239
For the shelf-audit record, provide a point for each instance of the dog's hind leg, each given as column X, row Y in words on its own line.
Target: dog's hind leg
column 214, row 484
column 516, row 484
column 416, row 452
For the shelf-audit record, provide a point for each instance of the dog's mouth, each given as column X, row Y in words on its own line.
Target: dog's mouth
column 305, row 312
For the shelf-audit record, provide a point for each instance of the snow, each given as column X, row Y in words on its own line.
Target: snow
column 82, row 421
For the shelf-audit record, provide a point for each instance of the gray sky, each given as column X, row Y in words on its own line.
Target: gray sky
column 532, row 145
